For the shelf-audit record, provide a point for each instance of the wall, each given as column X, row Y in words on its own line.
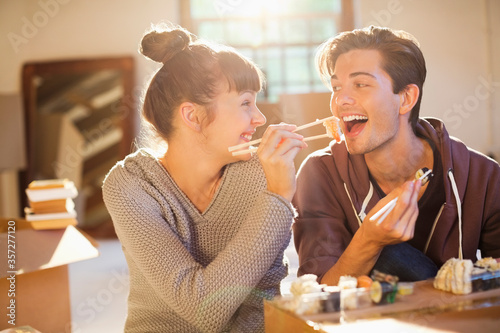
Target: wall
column 60, row 29
column 460, row 40
column 36, row 30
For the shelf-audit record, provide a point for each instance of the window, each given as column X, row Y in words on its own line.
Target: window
column 281, row 36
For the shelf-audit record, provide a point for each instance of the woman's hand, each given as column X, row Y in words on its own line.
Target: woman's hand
column 399, row 225
column 276, row 153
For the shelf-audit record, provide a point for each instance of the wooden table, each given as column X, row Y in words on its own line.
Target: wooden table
column 426, row 310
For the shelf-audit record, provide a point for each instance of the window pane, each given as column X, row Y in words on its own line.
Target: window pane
column 309, row 6
column 272, row 31
column 322, row 29
column 297, row 65
column 259, row 56
column 251, row 54
column 273, row 65
column 274, row 92
column 295, row 31
column 312, row 62
column 243, row 33
column 212, row 30
column 203, row 9
column 298, row 88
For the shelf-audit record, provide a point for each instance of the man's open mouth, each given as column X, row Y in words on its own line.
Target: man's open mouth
column 354, row 123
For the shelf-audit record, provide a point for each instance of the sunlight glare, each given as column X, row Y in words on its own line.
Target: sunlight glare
column 268, row 7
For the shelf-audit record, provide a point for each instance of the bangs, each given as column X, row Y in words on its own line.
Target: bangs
column 240, row 73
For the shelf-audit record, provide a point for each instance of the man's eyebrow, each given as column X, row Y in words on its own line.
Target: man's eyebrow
column 354, row 74
column 361, row 73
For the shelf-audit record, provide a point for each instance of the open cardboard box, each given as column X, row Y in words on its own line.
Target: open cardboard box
column 40, row 287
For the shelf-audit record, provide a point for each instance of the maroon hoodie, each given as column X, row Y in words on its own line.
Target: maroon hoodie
column 334, row 192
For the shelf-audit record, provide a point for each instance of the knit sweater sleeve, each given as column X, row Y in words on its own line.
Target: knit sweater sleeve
column 204, row 296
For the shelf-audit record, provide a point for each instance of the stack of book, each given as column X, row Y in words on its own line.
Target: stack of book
column 51, row 204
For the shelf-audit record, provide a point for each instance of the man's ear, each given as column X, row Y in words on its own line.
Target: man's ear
column 190, row 115
column 408, row 98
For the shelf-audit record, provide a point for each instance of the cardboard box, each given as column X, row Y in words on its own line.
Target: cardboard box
column 37, row 294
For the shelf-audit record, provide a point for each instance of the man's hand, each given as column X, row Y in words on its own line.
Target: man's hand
column 399, row 225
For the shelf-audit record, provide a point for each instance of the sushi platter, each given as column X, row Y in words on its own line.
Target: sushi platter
column 432, row 305
column 432, row 309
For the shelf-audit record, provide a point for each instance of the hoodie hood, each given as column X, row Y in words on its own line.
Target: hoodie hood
column 455, row 158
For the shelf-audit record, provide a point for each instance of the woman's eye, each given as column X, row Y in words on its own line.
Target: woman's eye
column 335, row 88
column 246, row 103
column 361, row 85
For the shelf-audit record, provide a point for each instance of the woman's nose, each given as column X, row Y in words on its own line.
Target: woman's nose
column 258, row 117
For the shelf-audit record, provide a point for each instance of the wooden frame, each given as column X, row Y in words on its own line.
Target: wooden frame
column 31, row 71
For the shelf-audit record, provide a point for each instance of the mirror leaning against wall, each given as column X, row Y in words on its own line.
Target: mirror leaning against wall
column 79, row 118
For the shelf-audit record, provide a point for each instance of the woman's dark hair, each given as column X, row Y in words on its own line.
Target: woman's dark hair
column 192, row 71
column 402, row 58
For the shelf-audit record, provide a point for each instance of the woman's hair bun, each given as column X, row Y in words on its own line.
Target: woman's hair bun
column 161, row 44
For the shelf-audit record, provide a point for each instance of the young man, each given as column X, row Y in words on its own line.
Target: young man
column 376, row 75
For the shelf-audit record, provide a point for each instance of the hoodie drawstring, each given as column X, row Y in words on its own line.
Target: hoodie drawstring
column 459, row 210
column 362, row 214
column 433, row 228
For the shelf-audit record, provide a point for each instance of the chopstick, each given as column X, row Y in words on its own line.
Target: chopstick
column 253, row 149
column 316, row 122
column 245, row 151
column 246, row 144
column 384, row 211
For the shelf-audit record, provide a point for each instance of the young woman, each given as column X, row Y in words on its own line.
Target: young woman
column 203, row 231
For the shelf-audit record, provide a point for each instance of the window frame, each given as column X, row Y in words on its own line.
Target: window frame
column 346, row 22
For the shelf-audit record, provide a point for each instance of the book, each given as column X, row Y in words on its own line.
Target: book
column 51, row 189
column 52, row 206
column 49, row 183
column 30, row 216
column 52, row 224
column 23, row 224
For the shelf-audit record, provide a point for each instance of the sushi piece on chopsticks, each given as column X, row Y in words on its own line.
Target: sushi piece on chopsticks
column 332, row 131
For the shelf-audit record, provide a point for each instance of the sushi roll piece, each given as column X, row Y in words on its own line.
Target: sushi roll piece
column 332, row 302
column 455, row 276
column 382, row 292
column 482, row 280
column 364, row 281
column 347, row 282
column 489, row 263
column 424, row 174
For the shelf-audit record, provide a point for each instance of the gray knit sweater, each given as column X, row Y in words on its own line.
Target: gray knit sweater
column 192, row 271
